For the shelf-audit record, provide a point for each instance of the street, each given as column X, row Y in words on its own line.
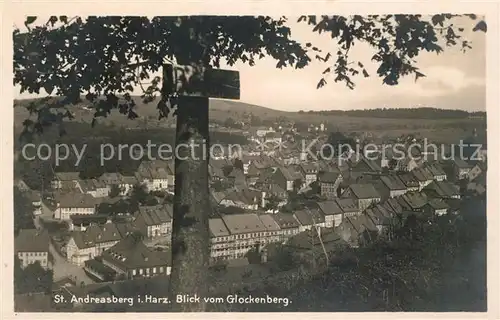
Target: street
column 62, row 268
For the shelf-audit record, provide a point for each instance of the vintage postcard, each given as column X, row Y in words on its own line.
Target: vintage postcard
column 250, row 159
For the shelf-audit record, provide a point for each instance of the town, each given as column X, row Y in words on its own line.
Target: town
column 270, row 200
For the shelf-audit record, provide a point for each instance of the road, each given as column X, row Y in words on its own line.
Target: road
column 62, row 268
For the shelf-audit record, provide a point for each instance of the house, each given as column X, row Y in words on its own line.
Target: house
column 381, row 217
column 289, row 226
column 410, row 181
column 31, row 246
column 364, row 165
column 437, row 171
column 74, row 203
column 309, row 218
column 349, row 207
column 245, row 198
column 310, row 172
column 155, row 221
column 62, row 180
column 124, row 183
column 443, row 190
column 154, row 174
column 88, row 244
column 131, row 258
column 358, row 230
column 329, row 183
column 332, row 212
column 461, row 168
column 408, row 164
column 237, row 178
column 364, row 193
column 221, row 240
column 392, row 186
column 288, row 178
column 94, row 187
column 273, row 138
column 437, row 207
column 478, row 185
column 273, row 233
column 476, row 171
column 423, row 176
column 82, row 222
column 248, row 231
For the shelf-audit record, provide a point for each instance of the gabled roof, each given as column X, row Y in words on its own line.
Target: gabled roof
column 31, row 240
column 285, row 221
column 156, row 215
column 462, row 164
column 67, row 176
column 409, row 180
column 132, row 253
column 75, row 200
column 413, row 200
column 217, row 227
column 438, row 204
column 364, row 191
column 328, row 176
column 348, row 205
column 444, row 188
column 243, row 223
column 309, row 217
column 422, row 174
column 435, row 169
column 269, row 222
column 290, row 173
column 329, row 207
column 96, row 234
column 393, row 182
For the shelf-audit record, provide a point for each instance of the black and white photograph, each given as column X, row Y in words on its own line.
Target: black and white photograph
column 249, row 163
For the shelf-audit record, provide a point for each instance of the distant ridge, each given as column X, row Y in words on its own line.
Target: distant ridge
column 405, row 113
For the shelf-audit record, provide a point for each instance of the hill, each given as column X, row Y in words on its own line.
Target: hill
column 445, row 124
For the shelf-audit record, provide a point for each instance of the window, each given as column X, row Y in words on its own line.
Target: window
column 161, row 269
column 134, row 272
column 140, row 271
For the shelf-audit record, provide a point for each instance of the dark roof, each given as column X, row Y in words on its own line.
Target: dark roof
column 329, row 207
column 132, row 253
column 308, row 217
column 32, row 240
column 156, row 215
column 87, row 219
column 462, row 164
column 364, row 191
column 393, row 182
column 328, row 176
column 348, row 205
column 422, row 174
column 444, row 188
column 409, row 180
column 96, row 234
column 438, row 204
column 285, row 221
column 309, row 238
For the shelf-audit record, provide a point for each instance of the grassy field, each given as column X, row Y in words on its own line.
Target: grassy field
column 442, row 129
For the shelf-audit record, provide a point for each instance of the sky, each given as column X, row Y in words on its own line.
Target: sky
column 454, row 80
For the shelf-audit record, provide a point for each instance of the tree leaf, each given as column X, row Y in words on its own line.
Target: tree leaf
column 481, row 25
column 418, row 75
column 30, row 20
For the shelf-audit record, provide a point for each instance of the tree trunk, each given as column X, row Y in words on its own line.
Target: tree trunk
column 190, row 233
